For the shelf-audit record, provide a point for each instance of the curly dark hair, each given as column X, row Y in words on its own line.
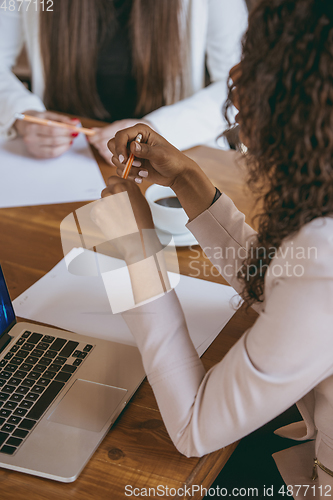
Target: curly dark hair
column 285, row 96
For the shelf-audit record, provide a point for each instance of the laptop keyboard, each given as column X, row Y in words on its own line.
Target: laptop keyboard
column 32, row 374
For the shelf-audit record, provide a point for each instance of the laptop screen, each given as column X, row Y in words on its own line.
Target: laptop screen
column 7, row 315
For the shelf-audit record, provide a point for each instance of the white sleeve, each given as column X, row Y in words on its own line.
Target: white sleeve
column 271, row 367
column 198, row 119
column 14, row 97
column 224, row 237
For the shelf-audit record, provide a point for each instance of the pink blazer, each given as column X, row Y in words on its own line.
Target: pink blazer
column 286, row 357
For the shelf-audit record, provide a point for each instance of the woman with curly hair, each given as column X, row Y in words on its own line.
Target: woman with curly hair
column 283, row 88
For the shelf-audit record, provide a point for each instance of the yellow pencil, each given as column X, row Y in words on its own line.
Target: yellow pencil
column 52, row 123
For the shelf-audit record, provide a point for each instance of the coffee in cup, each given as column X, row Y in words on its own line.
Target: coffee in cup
column 168, row 214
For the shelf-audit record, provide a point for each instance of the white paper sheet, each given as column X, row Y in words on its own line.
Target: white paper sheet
column 25, row 180
column 80, row 304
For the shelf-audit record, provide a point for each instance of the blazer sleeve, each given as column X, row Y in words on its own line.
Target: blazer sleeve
column 14, row 97
column 276, row 363
column 198, row 119
column 272, row 366
column 224, row 237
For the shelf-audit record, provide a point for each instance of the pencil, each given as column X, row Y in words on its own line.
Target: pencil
column 52, row 123
column 130, row 159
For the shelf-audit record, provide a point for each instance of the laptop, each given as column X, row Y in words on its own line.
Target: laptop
column 59, row 394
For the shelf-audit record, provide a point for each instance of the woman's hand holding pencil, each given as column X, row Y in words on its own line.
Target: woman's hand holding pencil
column 153, row 156
column 53, row 123
column 49, row 134
column 156, row 159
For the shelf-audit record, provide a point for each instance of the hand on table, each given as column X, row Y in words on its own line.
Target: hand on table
column 104, row 134
column 44, row 141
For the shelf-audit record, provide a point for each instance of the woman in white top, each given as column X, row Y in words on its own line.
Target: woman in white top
column 120, row 60
column 284, row 90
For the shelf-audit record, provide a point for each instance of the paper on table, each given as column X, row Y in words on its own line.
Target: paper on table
column 25, row 180
column 80, row 304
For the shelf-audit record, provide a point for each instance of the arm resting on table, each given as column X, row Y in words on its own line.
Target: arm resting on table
column 270, row 368
column 274, row 364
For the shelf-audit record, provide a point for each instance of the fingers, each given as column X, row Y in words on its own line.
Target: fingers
column 43, row 141
column 103, row 150
column 48, row 131
column 119, row 144
column 101, row 134
column 108, row 132
column 111, row 144
column 142, row 174
column 48, row 151
column 50, row 142
column 26, row 128
column 47, row 147
column 100, row 142
column 106, row 192
column 53, row 131
column 136, row 174
column 47, row 141
column 153, row 148
column 116, row 185
column 49, row 115
column 120, row 163
column 143, row 150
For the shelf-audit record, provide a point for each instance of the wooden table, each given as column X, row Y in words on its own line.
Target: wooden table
column 137, row 451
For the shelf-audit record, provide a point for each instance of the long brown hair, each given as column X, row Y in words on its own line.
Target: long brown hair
column 285, row 95
column 70, row 38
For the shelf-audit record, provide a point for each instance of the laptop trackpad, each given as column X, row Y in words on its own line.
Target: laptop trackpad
column 87, row 405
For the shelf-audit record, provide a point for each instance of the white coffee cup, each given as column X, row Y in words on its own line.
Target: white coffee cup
column 169, row 219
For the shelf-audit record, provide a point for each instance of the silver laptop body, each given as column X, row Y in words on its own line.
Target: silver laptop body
column 102, row 377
